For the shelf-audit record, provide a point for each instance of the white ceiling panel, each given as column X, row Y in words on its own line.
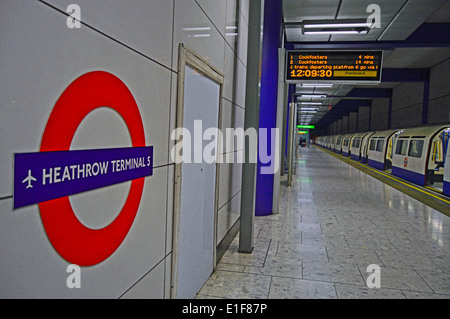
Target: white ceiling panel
column 295, row 35
column 357, row 9
column 421, row 58
column 299, row 10
column 412, row 15
column 442, row 15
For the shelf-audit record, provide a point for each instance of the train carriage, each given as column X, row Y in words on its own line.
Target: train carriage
column 420, row 155
column 358, row 150
column 446, row 182
column 337, row 147
column 346, row 140
column 380, row 149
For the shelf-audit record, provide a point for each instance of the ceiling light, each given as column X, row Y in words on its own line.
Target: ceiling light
column 321, row 85
column 335, row 32
column 309, row 109
column 336, row 25
column 311, row 103
column 342, row 26
column 314, row 96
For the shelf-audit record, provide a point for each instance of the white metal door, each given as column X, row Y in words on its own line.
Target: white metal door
column 194, row 254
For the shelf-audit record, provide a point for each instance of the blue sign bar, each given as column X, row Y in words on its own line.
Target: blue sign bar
column 44, row 176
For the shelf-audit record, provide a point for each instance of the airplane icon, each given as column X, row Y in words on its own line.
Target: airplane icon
column 29, row 179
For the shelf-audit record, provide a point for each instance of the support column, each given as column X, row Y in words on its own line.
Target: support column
column 279, row 124
column 268, row 105
column 426, row 97
column 390, row 110
column 252, row 101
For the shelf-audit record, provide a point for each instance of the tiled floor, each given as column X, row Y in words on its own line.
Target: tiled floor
column 333, row 224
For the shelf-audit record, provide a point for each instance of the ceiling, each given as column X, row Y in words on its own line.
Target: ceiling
column 413, row 35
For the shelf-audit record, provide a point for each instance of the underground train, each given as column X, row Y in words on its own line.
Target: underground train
column 418, row 155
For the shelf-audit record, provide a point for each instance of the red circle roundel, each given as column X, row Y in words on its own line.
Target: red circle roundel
column 70, row 238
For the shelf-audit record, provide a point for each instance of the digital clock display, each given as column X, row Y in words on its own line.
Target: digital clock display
column 334, row 66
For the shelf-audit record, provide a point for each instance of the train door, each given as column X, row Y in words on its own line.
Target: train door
column 338, row 147
column 437, row 158
column 390, row 151
column 355, row 150
column 365, row 147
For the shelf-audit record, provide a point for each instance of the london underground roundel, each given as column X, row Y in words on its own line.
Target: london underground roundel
column 75, row 242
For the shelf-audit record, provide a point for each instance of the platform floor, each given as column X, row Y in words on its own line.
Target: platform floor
column 333, row 224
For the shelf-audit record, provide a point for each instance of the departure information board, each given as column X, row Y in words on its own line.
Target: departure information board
column 334, row 66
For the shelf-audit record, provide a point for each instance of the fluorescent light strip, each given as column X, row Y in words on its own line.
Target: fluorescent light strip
column 321, row 85
column 311, row 103
column 313, row 96
column 335, row 32
column 336, row 25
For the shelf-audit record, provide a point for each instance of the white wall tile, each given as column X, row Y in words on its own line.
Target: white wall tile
column 216, row 12
column 154, row 279
column 227, row 216
column 144, row 25
column 242, row 39
column 193, row 28
column 230, row 180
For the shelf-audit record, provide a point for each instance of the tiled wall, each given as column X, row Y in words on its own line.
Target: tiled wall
column 136, row 40
column 407, row 101
column 438, row 107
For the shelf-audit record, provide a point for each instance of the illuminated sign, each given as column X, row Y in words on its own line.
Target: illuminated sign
column 302, row 132
column 334, row 66
column 306, row 127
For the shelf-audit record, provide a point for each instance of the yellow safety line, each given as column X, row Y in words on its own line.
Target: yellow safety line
column 434, row 190
column 389, row 176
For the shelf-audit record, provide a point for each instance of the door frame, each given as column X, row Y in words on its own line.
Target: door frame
column 187, row 57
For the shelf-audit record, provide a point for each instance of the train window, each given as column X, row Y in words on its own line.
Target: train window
column 380, row 145
column 373, row 144
column 402, row 146
column 338, row 142
column 346, row 141
column 356, row 142
column 415, row 148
